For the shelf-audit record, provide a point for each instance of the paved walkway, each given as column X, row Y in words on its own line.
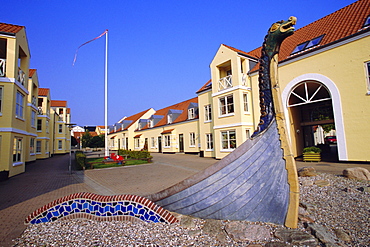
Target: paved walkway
column 48, row 180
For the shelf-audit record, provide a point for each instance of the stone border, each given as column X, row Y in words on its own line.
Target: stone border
column 99, row 207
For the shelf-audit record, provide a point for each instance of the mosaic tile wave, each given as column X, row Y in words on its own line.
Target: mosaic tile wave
column 98, row 207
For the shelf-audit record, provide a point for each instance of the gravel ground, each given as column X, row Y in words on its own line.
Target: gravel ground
column 337, row 206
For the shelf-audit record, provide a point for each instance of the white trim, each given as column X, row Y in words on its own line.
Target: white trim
column 230, row 90
column 60, row 138
column 42, row 138
column 227, row 115
column 17, row 131
column 17, row 163
column 32, row 106
column 336, row 102
column 233, row 125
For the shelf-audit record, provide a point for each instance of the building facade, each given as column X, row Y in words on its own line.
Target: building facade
column 25, row 130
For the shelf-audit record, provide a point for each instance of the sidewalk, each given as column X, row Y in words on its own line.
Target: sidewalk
column 48, row 180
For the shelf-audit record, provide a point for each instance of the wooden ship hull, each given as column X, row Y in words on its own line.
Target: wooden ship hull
column 249, row 184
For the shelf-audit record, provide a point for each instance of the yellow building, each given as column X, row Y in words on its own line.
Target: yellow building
column 61, row 118
column 14, row 96
column 43, row 126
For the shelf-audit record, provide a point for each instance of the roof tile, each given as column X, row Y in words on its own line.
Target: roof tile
column 10, row 28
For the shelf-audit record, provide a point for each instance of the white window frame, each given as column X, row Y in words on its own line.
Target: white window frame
column 228, row 141
column 33, row 119
column 192, row 139
column 19, row 105
column 60, row 128
column 208, row 113
column 225, row 104
column 191, row 113
column 17, row 150
column 32, row 145
column 137, row 142
column 169, row 119
column 152, row 142
column 167, row 141
column 46, row 147
column 209, row 142
column 39, row 124
column 38, row 147
column 367, row 68
column 151, row 123
column 245, row 102
column 60, row 144
column 47, row 126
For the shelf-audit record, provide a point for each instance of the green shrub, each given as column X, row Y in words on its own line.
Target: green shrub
column 314, row 150
column 80, row 159
column 136, row 155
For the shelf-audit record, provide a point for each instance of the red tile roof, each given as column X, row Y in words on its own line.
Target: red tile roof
column 167, row 131
column 135, row 117
column 10, row 28
column 336, row 26
column 31, row 72
column 183, row 106
column 43, row 91
column 206, row 86
column 58, row 103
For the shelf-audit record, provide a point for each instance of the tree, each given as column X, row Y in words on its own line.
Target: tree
column 96, row 142
column 85, row 139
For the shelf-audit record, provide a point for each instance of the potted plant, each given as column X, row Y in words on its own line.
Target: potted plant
column 311, row 154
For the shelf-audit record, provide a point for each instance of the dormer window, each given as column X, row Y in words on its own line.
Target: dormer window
column 191, row 113
column 169, row 119
column 367, row 21
column 308, row 44
column 151, row 123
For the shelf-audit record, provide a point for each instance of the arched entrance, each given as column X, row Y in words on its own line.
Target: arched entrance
column 312, row 107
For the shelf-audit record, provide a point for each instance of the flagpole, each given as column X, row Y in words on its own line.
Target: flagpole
column 106, row 95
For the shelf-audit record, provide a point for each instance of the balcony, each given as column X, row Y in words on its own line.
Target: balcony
column 39, row 110
column 2, row 67
column 225, row 82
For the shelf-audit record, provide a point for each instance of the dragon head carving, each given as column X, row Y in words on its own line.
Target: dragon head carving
column 277, row 33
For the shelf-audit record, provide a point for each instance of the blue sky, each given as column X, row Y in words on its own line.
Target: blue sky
column 159, row 51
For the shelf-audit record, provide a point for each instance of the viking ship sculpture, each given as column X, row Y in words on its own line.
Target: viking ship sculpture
column 258, row 180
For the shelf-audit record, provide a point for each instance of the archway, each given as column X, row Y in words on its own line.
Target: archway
column 312, row 101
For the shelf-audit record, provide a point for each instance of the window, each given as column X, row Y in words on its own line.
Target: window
column 308, row 44
column 60, row 145
column 248, row 132
column 33, row 119
column 228, row 139
column 32, row 145
column 47, row 126
column 245, row 99
column 39, row 102
column 167, row 140
column 367, row 65
column 192, row 139
column 1, row 99
column 60, row 128
column 209, row 141
column 191, row 113
column 38, row 146
column 17, row 149
column 152, row 141
column 208, row 113
column 39, row 124
column 46, row 146
column 19, row 105
column 169, row 118
column 137, row 142
column 226, row 105
column 151, row 123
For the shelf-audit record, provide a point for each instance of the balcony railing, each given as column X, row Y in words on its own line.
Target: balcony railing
column 39, row 110
column 225, row 83
column 2, row 67
column 21, row 76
